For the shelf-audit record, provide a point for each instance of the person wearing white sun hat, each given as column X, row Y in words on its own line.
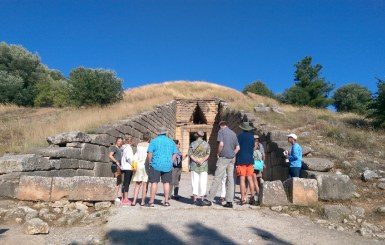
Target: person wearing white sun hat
column 294, row 157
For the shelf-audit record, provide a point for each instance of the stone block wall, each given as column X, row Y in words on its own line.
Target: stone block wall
column 185, row 108
column 81, row 154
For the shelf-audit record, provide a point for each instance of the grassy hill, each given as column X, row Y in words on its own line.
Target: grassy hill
column 347, row 139
column 338, row 136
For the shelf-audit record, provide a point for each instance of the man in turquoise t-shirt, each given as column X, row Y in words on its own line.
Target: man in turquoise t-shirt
column 162, row 152
column 295, row 156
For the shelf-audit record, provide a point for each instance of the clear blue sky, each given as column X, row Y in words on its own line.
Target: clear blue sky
column 227, row 42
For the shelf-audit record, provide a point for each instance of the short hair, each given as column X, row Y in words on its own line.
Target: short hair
column 176, row 142
column 223, row 123
column 118, row 138
column 146, row 136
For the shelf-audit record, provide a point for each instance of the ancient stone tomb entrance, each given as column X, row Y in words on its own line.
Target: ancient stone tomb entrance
column 195, row 115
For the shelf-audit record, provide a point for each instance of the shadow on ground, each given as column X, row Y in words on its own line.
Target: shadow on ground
column 198, row 234
column 269, row 237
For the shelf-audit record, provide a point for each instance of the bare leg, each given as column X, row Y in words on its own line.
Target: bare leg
column 251, row 185
column 138, row 184
column 144, row 193
column 154, row 188
column 242, row 185
column 166, row 187
column 256, row 184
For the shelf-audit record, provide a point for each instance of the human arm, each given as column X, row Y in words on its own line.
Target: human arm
column 296, row 153
column 113, row 159
column 237, row 149
column 220, row 147
column 149, row 157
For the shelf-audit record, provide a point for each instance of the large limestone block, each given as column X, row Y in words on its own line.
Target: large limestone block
column 8, row 188
column 332, row 187
column 95, row 153
column 273, row 194
column 277, row 135
column 102, row 139
column 65, row 173
column 61, row 188
column 24, row 162
column 34, row 188
column 85, row 172
column 92, row 189
column 103, row 169
column 86, row 164
column 69, row 137
column 110, row 130
column 66, row 163
column 302, row 192
column 317, row 164
column 59, row 152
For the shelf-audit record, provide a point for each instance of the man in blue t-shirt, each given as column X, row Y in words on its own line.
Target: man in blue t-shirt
column 162, row 154
column 295, row 156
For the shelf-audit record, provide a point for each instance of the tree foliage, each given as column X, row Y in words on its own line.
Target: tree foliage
column 310, row 88
column 258, row 87
column 378, row 105
column 25, row 80
column 94, row 87
column 352, row 98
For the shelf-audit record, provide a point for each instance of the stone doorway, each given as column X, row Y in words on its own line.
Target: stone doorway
column 195, row 115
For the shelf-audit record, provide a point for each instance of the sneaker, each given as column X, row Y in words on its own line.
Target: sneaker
column 206, row 202
column 228, row 205
column 126, row 202
column 117, row 201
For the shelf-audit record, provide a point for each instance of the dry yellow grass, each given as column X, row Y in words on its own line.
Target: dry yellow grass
column 24, row 128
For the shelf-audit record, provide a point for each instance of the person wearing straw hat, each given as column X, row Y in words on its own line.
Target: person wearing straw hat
column 162, row 153
column 245, row 162
column 294, row 157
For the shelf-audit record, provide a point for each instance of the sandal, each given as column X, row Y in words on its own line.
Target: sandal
column 243, row 202
column 166, row 204
column 133, row 204
column 150, row 205
column 142, row 204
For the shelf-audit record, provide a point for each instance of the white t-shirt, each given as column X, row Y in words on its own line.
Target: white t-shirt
column 127, row 157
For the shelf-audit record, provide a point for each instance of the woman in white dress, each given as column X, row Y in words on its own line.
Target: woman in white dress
column 140, row 176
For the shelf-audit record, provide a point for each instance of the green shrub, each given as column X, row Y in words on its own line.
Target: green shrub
column 258, row 87
column 94, row 87
column 352, row 98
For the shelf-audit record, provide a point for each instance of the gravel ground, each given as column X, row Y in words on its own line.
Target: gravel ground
column 185, row 223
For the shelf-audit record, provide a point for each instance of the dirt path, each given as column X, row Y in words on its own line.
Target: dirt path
column 185, row 223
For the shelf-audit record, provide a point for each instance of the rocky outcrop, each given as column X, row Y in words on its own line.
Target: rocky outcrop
column 369, row 175
column 36, row 226
column 317, row 164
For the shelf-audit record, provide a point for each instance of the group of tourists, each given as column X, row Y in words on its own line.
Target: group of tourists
column 158, row 160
